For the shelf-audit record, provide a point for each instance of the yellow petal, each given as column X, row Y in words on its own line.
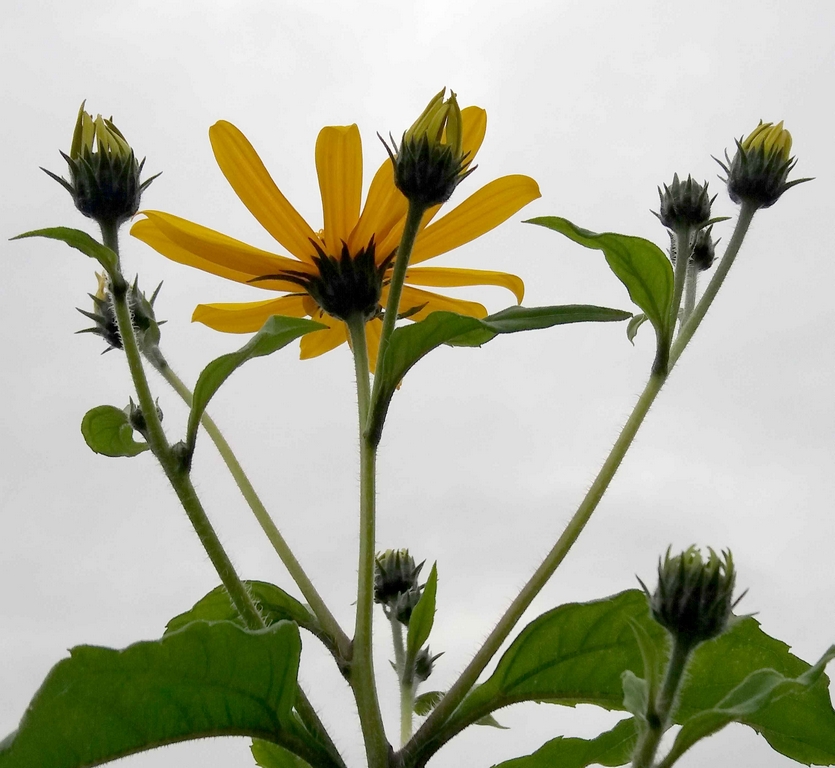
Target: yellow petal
column 246, row 317
column 252, row 183
column 474, row 120
column 339, row 165
column 452, row 277
column 188, row 243
column 487, row 208
column 373, row 329
column 385, row 207
column 319, row 342
column 434, row 302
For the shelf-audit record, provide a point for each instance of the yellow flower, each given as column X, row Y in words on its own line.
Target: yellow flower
column 350, row 231
column 772, row 138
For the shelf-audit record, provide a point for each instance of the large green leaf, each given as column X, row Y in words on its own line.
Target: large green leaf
column 423, row 616
column 107, row 430
column 273, row 602
column 81, row 241
column 276, row 333
column 639, row 264
column 610, row 749
column 576, row 653
column 754, row 694
column 209, row 679
column 410, row 343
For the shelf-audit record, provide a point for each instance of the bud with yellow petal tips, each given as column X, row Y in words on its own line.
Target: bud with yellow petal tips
column 104, row 173
column 758, row 172
column 430, row 161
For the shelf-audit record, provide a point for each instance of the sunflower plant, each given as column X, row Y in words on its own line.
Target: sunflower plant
column 676, row 655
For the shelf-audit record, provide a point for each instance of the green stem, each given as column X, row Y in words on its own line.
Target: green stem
column 657, row 726
column 362, row 679
column 398, row 277
column 170, row 463
column 682, row 245
column 397, row 642
column 430, row 736
column 405, row 680
column 294, row 568
column 746, row 214
column 690, row 286
column 407, row 708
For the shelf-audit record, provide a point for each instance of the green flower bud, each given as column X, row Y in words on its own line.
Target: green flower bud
column 137, row 418
column 704, row 250
column 694, row 597
column 761, row 165
column 396, row 585
column 104, row 173
column 145, row 324
column 430, row 161
column 684, row 204
column 424, row 664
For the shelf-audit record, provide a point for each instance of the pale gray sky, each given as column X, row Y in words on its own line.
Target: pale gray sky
column 487, row 452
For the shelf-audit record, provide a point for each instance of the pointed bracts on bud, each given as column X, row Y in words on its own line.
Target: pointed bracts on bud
column 137, row 418
column 145, row 324
column 704, row 250
column 684, row 204
column 694, row 596
column 430, row 161
column 396, row 585
column 759, row 169
column 425, row 663
column 104, row 174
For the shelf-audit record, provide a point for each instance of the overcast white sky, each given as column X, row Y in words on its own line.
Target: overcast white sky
column 487, row 451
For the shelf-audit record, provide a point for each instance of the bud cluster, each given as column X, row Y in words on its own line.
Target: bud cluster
column 396, row 585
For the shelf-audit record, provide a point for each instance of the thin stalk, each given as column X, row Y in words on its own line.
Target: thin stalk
column 294, row 568
column 398, row 277
column 405, row 681
column 690, row 286
column 397, row 643
column 682, row 246
column 407, row 708
column 362, row 678
column 160, row 447
column 648, row 745
column 746, row 214
column 430, row 735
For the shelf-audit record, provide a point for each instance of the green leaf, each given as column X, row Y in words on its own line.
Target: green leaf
column 576, row 653
column 639, row 264
column 635, row 694
column 492, row 722
column 633, row 325
column 759, row 690
column 276, row 333
column 269, row 755
column 423, row 616
column 610, row 749
column 274, row 604
column 426, row 702
column 107, row 430
column 209, row 679
column 410, row 343
column 81, row 241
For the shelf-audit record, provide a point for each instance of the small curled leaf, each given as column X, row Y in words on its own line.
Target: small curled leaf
column 107, row 430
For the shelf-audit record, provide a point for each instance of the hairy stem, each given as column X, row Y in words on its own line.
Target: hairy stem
column 362, row 679
column 279, row 544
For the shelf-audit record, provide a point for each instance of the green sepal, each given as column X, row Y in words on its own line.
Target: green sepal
column 277, row 332
column 754, row 694
column 426, row 702
column 639, row 264
column 107, row 430
column 269, row 755
column 208, row 679
column 633, row 325
column 423, row 617
column 81, row 241
column 410, row 343
column 612, row 748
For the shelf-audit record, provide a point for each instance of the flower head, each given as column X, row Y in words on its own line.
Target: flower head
column 104, row 173
column 430, row 161
column 684, row 204
column 345, row 266
column 761, row 165
column 694, row 596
